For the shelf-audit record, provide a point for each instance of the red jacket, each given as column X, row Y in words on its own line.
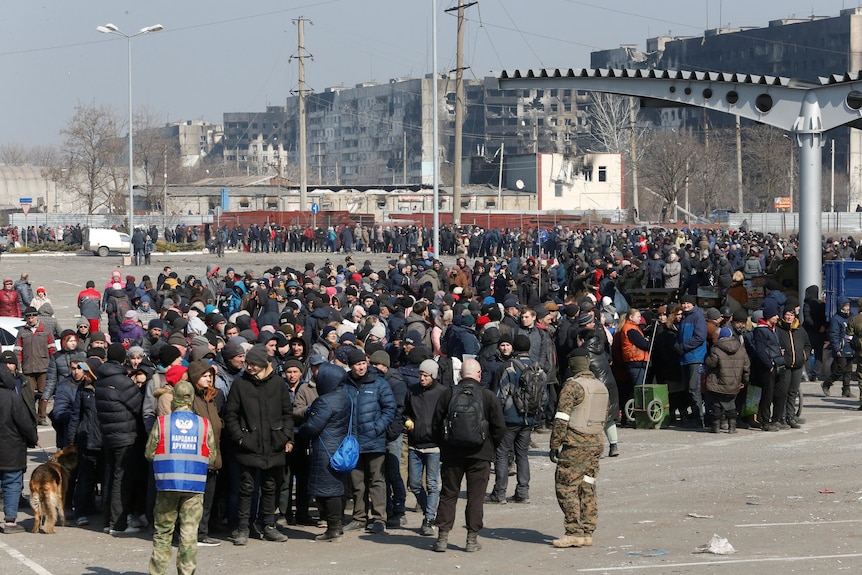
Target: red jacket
column 9, row 303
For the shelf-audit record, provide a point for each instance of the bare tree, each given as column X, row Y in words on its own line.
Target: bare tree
column 766, row 157
column 670, row 158
column 14, row 154
column 88, row 165
column 610, row 122
column 713, row 176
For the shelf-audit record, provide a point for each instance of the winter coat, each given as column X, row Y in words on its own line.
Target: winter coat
column 118, row 404
column 209, row 408
column 672, row 272
column 130, row 333
column 17, row 428
column 61, row 414
column 692, row 337
column 419, row 406
column 839, row 341
column 417, row 323
column 326, row 426
column 374, row 411
column 259, row 419
column 794, row 341
column 399, row 392
column 46, row 318
column 60, row 368
column 813, row 312
column 752, row 267
column 767, row 349
column 84, row 428
column 36, row 348
column 729, row 366
column 509, row 381
column 25, row 295
column 10, row 303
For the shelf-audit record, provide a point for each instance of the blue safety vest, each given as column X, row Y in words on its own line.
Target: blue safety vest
column 182, row 455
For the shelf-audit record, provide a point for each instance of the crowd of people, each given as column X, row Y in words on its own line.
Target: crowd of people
column 282, row 364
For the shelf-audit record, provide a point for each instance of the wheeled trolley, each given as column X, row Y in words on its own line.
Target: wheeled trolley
column 650, row 407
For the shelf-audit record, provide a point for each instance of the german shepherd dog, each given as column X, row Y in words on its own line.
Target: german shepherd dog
column 48, row 488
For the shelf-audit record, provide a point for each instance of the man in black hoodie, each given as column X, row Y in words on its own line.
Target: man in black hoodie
column 814, row 322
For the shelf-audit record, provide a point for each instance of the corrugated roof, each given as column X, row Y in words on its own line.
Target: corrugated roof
column 22, row 182
column 684, row 75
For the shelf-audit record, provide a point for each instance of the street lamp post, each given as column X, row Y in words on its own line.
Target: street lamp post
column 112, row 29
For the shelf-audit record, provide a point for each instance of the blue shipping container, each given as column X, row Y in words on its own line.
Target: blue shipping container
column 843, row 278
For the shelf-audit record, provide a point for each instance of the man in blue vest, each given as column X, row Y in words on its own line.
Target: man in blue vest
column 181, row 447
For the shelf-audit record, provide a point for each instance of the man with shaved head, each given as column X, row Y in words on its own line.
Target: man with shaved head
column 471, row 457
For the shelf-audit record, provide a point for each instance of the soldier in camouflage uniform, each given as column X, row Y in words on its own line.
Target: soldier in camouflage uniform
column 577, row 458
column 180, row 461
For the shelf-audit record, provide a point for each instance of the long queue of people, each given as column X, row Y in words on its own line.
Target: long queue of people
column 285, row 363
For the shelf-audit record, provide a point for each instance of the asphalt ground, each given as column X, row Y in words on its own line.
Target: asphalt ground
column 788, row 502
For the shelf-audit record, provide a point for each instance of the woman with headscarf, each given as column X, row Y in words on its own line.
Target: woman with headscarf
column 327, row 425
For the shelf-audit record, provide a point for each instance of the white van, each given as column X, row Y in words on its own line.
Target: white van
column 102, row 241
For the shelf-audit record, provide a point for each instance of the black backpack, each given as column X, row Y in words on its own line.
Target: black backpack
column 532, row 391
column 465, row 424
column 121, row 306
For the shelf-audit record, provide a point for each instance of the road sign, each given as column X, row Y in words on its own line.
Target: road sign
column 26, row 204
column 25, row 208
column 315, row 208
column 783, row 203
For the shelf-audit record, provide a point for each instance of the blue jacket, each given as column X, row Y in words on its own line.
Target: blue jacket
column 692, row 337
column 841, row 347
column 373, row 412
column 61, row 415
column 326, row 427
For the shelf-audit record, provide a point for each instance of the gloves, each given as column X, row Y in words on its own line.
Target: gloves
column 678, row 348
column 553, row 455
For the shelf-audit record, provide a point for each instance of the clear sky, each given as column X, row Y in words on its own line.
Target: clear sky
column 219, row 56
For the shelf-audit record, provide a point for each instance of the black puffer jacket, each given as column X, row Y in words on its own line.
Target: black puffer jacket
column 17, row 428
column 84, row 429
column 118, row 404
column 259, row 419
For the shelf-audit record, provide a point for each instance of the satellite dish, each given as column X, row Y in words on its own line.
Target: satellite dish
column 519, row 184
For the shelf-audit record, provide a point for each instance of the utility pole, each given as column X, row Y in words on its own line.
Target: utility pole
column 632, row 118
column 301, row 56
column 165, row 191
column 740, row 199
column 404, row 155
column 459, row 113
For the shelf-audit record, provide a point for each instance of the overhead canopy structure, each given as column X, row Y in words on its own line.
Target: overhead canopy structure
column 805, row 109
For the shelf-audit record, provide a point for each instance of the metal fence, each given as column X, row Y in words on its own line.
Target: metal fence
column 842, row 223
column 101, row 221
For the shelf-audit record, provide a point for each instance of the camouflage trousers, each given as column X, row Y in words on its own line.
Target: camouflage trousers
column 170, row 505
column 577, row 469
